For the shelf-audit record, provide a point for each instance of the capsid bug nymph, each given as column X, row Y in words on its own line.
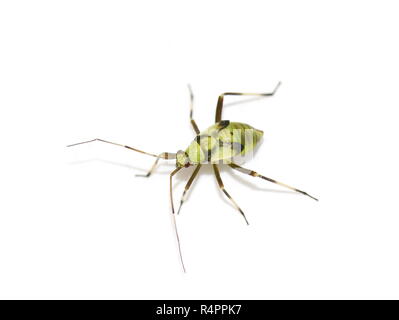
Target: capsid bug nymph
column 220, row 143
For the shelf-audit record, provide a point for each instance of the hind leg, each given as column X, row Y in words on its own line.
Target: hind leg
column 255, row 174
column 219, row 107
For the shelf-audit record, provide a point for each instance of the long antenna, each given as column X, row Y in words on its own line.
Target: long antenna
column 178, row 242
column 174, row 218
column 116, row 144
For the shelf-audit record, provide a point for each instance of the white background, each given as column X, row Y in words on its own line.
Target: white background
column 77, row 223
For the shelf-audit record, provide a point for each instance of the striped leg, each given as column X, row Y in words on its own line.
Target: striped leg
column 221, row 186
column 193, row 123
column 173, row 216
column 219, row 106
column 188, row 185
column 255, row 174
column 163, row 155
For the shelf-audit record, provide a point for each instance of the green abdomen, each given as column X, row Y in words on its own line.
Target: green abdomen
column 222, row 142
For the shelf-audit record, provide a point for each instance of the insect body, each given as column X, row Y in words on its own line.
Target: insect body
column 221, row 143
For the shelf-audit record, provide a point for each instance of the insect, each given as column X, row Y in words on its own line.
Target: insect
column 222, row 142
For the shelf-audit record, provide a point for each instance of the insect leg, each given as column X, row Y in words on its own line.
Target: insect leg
column 219, row 106
column 221, row 186
column 173, row 215
column 163, row 155
column 255, row 174
column 193, row 123
column 188, row 185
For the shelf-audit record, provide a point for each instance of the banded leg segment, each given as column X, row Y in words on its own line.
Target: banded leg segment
column 221, row 186
column 173, row 215
column 219, row 107
column 188, row 185
column 193, row 123
column 255, row 174
column 163, row 155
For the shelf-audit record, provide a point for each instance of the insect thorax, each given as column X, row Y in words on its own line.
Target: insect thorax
column 222, row 142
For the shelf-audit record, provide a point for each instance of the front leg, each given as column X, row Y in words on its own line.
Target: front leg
column 163, row 155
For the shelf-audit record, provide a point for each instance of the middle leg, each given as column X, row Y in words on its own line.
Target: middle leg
column 221, row 186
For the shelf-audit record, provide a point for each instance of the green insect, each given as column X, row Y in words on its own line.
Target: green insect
column 221, row 143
